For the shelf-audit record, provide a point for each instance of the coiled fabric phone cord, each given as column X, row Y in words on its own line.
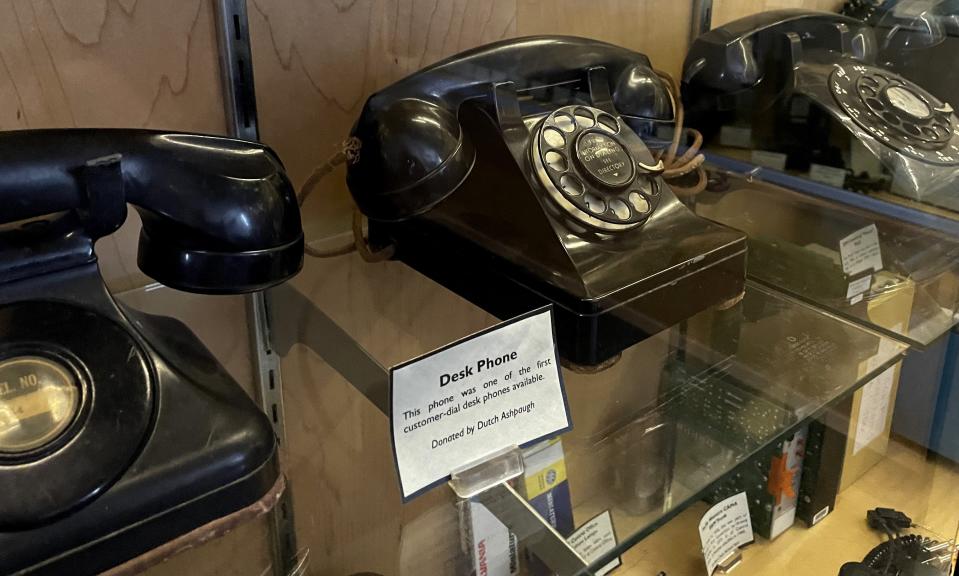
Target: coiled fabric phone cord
column 348, row 152
column 691, row 160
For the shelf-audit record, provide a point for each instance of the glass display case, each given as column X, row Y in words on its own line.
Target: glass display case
column 736, row 226
column 708, row 385
column 807, row 246
column 679, row 421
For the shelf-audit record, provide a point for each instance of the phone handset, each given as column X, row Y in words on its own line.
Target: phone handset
column 219, row 215
column 415, row 152
column 755, row 63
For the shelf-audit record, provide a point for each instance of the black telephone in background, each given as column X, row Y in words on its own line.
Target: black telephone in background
column 918, row 39
column 119, row 431
column 806, row 85
column 516, row 174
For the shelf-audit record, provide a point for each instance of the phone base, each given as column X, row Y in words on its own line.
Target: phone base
column 588, row 332
column 204, row 450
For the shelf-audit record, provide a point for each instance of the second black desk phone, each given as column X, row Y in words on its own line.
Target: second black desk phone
column 807, row 85
column 515, row 175
column 119, row 431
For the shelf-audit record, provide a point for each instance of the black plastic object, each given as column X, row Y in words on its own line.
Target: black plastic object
column 516, row 175
column 857, row 569
column 219, row 215
column 917, row 39
column 807, row 85
column 119, row 431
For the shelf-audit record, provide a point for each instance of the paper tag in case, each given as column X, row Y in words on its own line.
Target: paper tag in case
column 723, row 529
column 860, row 251
column 457, row 406
column 595, row 538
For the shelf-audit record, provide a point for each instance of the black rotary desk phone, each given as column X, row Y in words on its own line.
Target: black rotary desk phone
column 807, row 84
column 515, row 175
column 119, row 431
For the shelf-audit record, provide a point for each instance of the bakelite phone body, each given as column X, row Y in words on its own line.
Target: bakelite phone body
column 806, row 85
column 119, row 431
column 515, row 175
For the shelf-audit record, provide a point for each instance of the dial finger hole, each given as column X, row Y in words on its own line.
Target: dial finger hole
column 554, row 138
column 868, row 91
column 564, row 122
column 608, row 123
column 571, row 185
column 595, row 204
column 654, row 187
column 619, row 208
column 911, row 128
column 555, row 161
column 639, row 202
column 875, row 103
column 891, row 118
column 929, row 133
column 870, row 81
column 584, row 118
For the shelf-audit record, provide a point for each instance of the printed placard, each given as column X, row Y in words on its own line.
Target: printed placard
column 455, row 406
column 724, row 528
column 860, row 251
column 736, row 136
column 595, row 538
column 827, row 175
column 774, row 160
column 874, row 409
column 858, row 287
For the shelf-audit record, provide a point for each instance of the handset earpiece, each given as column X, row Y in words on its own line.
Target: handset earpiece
column 413, row 154
column 640, row 92
column 219, row 215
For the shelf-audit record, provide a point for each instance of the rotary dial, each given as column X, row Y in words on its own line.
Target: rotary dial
column 584, row 160
column 898, row 113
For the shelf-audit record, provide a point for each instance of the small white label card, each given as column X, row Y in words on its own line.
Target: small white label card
column 827, row 175
column 874, row 409
column 724, row 528
column 736, row 136
column 774, row 160
column 595, row 538
column 495, row 389
column 858, row 287
column 860, row 251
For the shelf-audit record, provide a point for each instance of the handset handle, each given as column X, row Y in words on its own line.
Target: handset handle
column 738, row 30
column 219, row 215
column 737, row 55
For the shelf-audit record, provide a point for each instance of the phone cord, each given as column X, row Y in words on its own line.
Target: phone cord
column 349, row 152
column 691, row 159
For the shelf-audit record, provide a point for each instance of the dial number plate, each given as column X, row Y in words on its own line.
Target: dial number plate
column 38, row 400
column 582, row 156
column 897, row 113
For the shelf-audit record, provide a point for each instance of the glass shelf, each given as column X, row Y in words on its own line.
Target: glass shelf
column 653, row 433
column 794, row 246
column 730, row 383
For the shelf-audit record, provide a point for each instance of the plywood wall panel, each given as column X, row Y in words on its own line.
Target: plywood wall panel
column 315, row 63
column 100, row 63
column 727, row 10
column 657, row 28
